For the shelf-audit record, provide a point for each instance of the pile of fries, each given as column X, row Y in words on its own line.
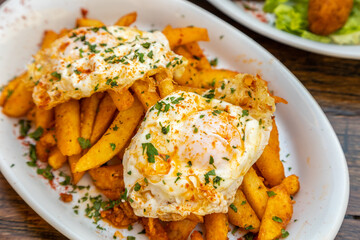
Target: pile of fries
column 89, row 132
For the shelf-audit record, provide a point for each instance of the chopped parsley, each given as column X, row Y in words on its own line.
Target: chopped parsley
column 145, row 45
column 137, row 187
column 245, row 112
column 207, row 176
column 164, row 129
column 250, row 227
column 25, row 126
column 284, row 233
column 233, row 207
column 178, row 176
column 201, row 116
column 77, row 72
column 115, row 128
column 225, row 158
column 37, row 133
column 232, row 90
column 195, row 129
column 150, row 54
column 96, row 87
column 147, row 136
column 210, row 94
column 189, row 164
column 56, row 75
column 84, row 143
column 271, row 193
column 113, row 146
column 46, row 172
column 277, row 219
column 32, row 155
column 214, row 62
column 151, row 151
column 67, row 179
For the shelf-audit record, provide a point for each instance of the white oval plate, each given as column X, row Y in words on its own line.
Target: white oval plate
column 305, row 133
column 238, row 13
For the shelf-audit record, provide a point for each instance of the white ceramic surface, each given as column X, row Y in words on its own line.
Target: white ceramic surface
column 237, row 12
column 305, row 133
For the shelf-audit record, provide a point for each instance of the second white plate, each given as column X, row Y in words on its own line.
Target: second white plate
column 239, row 14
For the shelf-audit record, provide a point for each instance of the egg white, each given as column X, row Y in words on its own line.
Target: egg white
column 190, row 155
column 88, row 60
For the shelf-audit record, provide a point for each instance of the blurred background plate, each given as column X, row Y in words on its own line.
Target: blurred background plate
column 255, row 21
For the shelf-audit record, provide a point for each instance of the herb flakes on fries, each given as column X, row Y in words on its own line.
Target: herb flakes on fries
column 171, row 141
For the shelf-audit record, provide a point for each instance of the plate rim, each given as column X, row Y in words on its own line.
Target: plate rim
column 230, row 9
column 26, row 196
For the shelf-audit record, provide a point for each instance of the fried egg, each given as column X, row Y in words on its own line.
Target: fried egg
column 88, row 60
column 190, row 155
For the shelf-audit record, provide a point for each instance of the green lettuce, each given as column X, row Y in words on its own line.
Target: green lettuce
column 291, row 16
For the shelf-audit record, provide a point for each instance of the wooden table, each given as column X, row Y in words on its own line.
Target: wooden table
column 334, row 83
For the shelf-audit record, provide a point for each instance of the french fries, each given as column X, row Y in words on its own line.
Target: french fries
column 277, row 215
column 9, row 89
column 181, row 36
column 255, row 192
column 89, row 107
column 242, row 215
column 127, row 19
column 113, row 140
column 154, row 229
column 165, row 83
column 89, row 132
column 147, row 98
column 104, row 116
column 196, row 236
column 87, row 22
column 122, row 100
column 269, row 163
column 56, row 158
column 44, row 118
column 216, row 226
column 109, row 179
column 19, row 100
column 49, row 38
column 76, row 176
column 67, row 127
column 180, row 230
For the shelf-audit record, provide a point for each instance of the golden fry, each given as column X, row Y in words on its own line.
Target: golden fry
column 44, row 118
column 180, row 230
column 104, row 116
column 56, row 159
column 76, row 176
column 216, row 226
column 181, row 36
column 277, row 215
column 165, row 83
column 108, row 177
column 19, row 102
column 153, row 228
column 196, row 236
column 127, row 19
column 87, row 22
column 113, row 140
column 190, row 89
column 291, row 184
column 88, row 110
column 147, row 98
column 9, row 88
column 269, row 163
column 48, row 39
column 122, row 100
column 242, row 215
column 67, row 127
column 197, row 52
column 31, row 114
column 255, row 192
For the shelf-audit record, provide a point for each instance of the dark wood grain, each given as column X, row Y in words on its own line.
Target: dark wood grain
column 334, row 83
